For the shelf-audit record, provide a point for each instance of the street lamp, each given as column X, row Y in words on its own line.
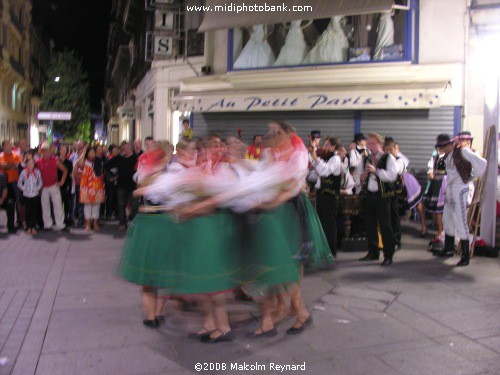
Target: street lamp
column 57, row 79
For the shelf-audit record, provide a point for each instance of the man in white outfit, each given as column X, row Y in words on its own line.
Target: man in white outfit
column 462, row 166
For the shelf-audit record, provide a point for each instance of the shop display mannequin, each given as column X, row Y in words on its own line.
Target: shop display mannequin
column 257, row 53
column 295, row 48
column 385, row 34
column 331, row 46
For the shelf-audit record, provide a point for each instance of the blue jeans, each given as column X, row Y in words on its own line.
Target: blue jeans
column 77, row 213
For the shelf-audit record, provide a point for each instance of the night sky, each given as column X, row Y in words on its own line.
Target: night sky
column 80, row 25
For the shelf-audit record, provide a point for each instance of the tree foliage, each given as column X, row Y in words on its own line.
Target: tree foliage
column 69, row 94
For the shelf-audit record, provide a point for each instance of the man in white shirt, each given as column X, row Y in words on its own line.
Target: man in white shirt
column 329, row 169
column 357, row 152
column 380, row 176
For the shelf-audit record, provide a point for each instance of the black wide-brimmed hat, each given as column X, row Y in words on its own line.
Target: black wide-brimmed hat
column 442, row 140
column 464, row 135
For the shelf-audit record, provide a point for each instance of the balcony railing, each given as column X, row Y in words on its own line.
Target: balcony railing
column 18, row 67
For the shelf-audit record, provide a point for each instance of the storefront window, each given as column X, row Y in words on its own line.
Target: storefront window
column 336, row 40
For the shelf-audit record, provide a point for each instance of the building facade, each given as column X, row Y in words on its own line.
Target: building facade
column 152, row 47
column 39, row 64
column 382, row 66
column 15, row 85
column 397, row 71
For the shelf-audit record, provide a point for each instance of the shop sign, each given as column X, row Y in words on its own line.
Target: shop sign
column 163, row 46
column 54, row 116
column 406, row 99
column 127, row 112
column 164, row 20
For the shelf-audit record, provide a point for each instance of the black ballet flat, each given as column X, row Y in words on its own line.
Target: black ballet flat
column 225, row 337
column 197, row 336
column 294, row 331
column 150, row 323
column 160, row 319
column 270, row 333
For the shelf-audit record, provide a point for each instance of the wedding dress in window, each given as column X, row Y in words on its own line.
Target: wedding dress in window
column 385, row 34
column 257, row 52
column 295, row 48
column 331, row 46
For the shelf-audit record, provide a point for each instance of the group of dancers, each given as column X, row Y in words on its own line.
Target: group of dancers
column 204, row 230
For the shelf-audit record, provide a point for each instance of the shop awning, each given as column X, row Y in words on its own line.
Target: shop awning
column 401, row 96
column 225, row 14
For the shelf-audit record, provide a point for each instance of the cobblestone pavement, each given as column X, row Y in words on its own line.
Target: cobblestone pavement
column 63, row 311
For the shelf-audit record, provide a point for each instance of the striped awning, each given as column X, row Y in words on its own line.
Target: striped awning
column 223, row 14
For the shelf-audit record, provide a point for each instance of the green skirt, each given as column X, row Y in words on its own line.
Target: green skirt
column 321, row 255
column 208, row 258
column 270, row 240
column 191, row 257
column 149, row 255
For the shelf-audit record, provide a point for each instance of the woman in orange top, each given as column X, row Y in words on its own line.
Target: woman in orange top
column 91, row 187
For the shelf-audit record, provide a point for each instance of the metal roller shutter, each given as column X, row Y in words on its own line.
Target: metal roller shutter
column 414, row 130
column 338, row 123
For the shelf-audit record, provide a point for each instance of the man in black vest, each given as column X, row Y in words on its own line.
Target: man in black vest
column 329, row 168
column 378, row 179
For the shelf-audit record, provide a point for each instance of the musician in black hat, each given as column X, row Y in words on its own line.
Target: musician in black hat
column 462, row 165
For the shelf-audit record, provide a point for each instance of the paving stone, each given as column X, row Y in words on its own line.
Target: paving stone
column 130, row 360
column 430, row 302
column 429, row 360
column 468, row 319
column 359, row 334
column 421, row 322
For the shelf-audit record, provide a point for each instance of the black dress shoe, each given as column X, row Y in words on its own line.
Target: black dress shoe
column 150, row 323
column 445, row 253
column 303, row 325
column 197, row 336
column 386, row 262
column 160, row 319
column 224, row 337
column 369, row 257
column 463, row 262
column 270, row 333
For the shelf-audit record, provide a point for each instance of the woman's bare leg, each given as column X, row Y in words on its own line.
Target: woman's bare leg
column 218, row 302
column 149, row 302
